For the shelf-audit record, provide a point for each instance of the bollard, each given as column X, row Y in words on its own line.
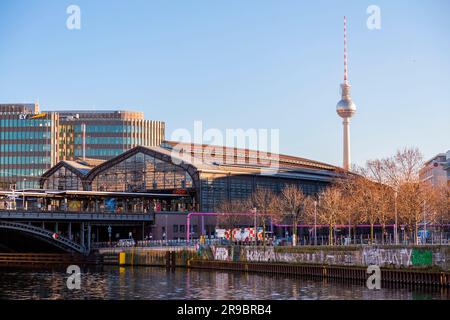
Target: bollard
column 168, row 259
column 122, row 258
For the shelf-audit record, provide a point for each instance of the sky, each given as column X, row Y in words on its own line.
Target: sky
column 248, row 64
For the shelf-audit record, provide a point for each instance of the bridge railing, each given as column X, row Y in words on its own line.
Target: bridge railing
column 41, row 210
column 322, row 241
column 72, row 215
column 160, row 243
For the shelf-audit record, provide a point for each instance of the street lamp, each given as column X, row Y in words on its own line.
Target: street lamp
column 424, row 223
column 23, row 193
column 396, row 218
column 315, row 222
column 256, row 230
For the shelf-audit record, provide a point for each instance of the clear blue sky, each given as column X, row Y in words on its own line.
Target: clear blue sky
column 241, row 64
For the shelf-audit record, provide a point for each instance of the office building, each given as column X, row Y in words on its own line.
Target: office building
column 436, row 171
column 33, row 141
column 28, row 144
column 105, row 134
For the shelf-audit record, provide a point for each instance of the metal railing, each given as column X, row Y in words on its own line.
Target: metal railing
column 160, row 243
column 444, row 239
column 73, row 215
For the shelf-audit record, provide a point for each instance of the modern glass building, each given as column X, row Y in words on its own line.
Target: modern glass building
column 32, row 142
column 105, row 134
column 27, row 145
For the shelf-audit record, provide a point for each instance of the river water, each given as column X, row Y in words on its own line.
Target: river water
column 157, row 283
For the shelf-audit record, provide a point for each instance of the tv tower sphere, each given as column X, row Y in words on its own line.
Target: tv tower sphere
column 346, row 108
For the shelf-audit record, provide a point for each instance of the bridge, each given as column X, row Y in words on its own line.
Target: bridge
column 45, row 235
column 71, row 220
column 73, row 231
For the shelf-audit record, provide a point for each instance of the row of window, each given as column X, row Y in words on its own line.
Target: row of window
column 98, row 152
column 21, row 172
column 109, row 129
column 21, row 135
column 24, row 147
column 24, row 160
column 216, row 190
column 15, row 123
column 110, row 140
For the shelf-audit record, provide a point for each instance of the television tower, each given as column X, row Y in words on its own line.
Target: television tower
column 346, row 108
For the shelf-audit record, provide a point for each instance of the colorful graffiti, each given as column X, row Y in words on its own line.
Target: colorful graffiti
column 421, row 257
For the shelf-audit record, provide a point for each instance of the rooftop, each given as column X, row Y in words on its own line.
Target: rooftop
column 232, row 157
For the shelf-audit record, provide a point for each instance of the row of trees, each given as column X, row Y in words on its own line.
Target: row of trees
column 383, row 192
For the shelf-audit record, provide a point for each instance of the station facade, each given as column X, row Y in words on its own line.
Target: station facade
column 183, row 178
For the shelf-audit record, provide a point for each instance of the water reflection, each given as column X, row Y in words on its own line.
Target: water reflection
column 156, row 283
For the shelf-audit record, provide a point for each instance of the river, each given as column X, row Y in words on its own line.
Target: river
column 157, row 283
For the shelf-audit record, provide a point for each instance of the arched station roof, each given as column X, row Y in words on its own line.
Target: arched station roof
column 78, row 168
column 156, row 152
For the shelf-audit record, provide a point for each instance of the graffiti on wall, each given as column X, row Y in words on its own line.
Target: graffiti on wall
column 260, row 255
column 221, row 253
column 384, row 257
column 421, row 257
column 342, row 258
column 399, row 257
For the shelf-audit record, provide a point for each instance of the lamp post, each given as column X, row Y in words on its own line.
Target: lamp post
column 256, row 227
column 424, row 223
column 23, row 193
column 396, row 218
column 315, row 222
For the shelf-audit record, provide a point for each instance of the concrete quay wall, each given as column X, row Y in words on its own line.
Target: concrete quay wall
column 411, row 257
column 435, row 258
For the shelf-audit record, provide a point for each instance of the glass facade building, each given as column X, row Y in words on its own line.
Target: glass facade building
column 32, row 142
column 105, row 134
column 27, row 145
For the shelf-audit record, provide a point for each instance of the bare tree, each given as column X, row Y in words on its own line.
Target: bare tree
column 330, row 208
column 266, row 204
column 293, row 205
column 234, row 214
column 350, row 212
column 401, row 168
column 389, row 176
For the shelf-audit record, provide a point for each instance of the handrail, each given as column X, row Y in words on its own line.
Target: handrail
column 68, row 215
